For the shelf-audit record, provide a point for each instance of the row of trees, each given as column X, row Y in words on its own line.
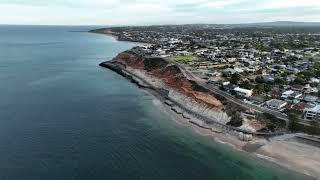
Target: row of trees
column 260, row 86
column 294, row 126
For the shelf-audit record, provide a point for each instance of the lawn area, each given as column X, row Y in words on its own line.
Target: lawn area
column 182, row 59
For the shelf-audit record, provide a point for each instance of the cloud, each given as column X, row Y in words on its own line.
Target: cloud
column 136, row 12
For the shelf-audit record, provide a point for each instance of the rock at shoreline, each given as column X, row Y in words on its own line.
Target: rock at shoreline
column 177, row 110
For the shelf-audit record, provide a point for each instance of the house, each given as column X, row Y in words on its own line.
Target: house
column 225, row 83
column 243, row 92
column 229, row 87
column 275, row 93
column 297, row 87
column 312, row 113
column 238, row 70
column 276, row 104
column 312, row 90
column 256, row 100
column 286, row 94
column 293, row 70
column 231, row 60
column 295, row 97
column 314, row 80
column 229, row 71
column 268, row 78
column 310, row 99
column 300, row 107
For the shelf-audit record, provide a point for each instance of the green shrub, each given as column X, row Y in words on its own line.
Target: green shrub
column 154, row 63
column 197, row 87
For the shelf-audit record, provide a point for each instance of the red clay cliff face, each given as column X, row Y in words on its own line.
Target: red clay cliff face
column 172, row 77
column 130, row 60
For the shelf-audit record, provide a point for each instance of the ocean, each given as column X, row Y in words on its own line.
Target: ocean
column 64, row 117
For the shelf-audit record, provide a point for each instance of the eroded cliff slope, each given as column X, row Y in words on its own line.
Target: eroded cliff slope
column 163, row 74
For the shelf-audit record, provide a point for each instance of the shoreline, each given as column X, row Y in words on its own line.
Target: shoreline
column 260, row 147
column 228, row 139
column 110, row 34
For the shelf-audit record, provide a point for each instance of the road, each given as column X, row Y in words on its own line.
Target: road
column 215, row 90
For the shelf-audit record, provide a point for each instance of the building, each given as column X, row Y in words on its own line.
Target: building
column 276, row 104
column 312, row 113
column 229, row 71
column 295, row 97
column 229, row 87
column 256, row 100
column 286, row 94
column 243, row 92
column 310, row 98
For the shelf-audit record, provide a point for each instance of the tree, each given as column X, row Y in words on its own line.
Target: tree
column 293, row 121
column 259, row 79
column 236, row 119
column 259, row 88
column 300, row 81
column 267, row 87
column 315, row 126
column 246, row 84
column 270, row 121
column 279, row 81
column 306, row 75
column 315, row 123
column 235, row 78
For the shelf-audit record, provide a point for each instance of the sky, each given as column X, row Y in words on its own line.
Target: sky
column 151, row 12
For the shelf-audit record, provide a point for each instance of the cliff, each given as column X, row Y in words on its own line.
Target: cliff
column 162, row 74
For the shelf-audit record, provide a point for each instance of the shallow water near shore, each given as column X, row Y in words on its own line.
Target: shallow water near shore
column 64, row 117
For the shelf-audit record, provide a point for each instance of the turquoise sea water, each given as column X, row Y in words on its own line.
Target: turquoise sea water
column 63, row 117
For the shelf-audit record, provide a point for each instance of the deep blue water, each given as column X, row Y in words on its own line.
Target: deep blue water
column 63, row 117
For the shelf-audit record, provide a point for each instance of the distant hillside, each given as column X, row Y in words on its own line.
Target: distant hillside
column 210, row 26
column 285, row 24
column 278, row 26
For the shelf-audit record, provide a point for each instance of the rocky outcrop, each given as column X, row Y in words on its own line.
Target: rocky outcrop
column 161, row 74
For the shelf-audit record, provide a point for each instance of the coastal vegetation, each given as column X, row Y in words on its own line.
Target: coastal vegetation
column 182, row 59
column 154, row 63
column 272, row 122
column 294, row 126
column 197, row 87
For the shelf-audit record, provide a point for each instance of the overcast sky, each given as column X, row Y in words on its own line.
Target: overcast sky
column 146, row 12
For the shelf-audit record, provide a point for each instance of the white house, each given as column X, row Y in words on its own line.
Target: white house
column 276, row 104
column 243, row 92
column 312, row 113
column 286, row 94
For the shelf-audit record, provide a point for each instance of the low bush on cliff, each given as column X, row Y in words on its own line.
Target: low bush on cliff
column 197, row 87
column 174, row 69
column 154, row 63
column 273, row 124
column 126, row 57
column 236, row 119
column 222, row 99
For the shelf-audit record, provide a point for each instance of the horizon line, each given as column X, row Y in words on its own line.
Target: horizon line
column 164, row 24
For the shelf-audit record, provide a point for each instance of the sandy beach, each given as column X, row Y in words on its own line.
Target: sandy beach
column 294, row 156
